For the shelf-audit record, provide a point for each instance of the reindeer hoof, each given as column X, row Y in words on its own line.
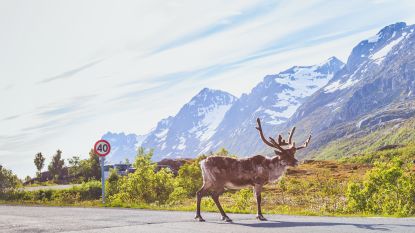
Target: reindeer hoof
column 199, row 218
column 261, row 218
column 226, row 219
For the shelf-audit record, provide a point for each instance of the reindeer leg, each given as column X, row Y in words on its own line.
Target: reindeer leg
column 215, row 198
column 199, row 195
column 257, row 193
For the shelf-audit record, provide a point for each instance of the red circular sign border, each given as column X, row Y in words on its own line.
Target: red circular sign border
column 95, row 148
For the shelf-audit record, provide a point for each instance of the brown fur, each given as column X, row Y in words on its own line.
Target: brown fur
column 222, row 173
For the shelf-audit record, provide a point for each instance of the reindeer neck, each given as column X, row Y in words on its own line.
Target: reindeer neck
column 277, row 171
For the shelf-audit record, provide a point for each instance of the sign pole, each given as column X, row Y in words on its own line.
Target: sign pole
column 102, row 148
column 103, row 178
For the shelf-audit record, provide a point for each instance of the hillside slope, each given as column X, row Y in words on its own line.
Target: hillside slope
column 376, row 86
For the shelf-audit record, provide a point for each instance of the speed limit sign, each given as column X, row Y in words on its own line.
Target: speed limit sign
column 102, row 147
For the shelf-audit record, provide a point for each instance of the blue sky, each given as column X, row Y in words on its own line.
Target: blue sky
column 73, row 70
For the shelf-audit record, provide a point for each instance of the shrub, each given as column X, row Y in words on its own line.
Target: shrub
column 243, row 200
column 90, row 190
column 179, row 194
column 189, row 178
column 144, row 185
column 111, row 184
column 164, row 185
column 8, row 181
column 42, row 195
column 389, row 189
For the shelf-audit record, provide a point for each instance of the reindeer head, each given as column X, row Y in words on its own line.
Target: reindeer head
column 286, row 155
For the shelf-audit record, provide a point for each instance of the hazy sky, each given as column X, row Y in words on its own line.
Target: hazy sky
column 72, row 70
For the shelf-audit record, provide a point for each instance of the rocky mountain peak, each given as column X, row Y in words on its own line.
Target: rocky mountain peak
column 210, row 96
column 378, row 45
column 195, row 123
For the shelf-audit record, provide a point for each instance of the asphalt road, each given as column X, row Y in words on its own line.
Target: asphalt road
column 66, row 219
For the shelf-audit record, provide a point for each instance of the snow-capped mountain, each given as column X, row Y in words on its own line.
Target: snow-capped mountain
column 274, row 100
column 379, row 77
column 185, row 134
column 331, row 99
column 371, row 55
column 123, row 146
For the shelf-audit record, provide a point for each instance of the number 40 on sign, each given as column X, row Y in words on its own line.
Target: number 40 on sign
column 102, row 148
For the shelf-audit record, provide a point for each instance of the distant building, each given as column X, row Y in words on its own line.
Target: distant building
column 172, row 165
column 122, row 169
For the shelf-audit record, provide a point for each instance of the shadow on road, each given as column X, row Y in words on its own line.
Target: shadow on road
column 280, row 224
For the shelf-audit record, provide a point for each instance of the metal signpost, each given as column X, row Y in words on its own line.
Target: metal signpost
column 102, row 148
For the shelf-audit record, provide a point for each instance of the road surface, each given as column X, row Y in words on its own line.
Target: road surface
column 67, row 219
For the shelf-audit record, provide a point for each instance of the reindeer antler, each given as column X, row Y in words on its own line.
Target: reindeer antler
column 290, row 135
column 272, row 143
column 259, row 128
column 305, row 143
column 280, row 141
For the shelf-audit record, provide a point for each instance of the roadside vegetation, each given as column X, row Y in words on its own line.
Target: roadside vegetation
column 375, row 183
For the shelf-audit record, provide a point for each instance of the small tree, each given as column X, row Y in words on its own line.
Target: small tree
column 94, row 166
column 74, row 168
column 111, row 186
column 56, row 166
column 127, row 162
column 189, row 178
column 39, row 163
column 144, row 185
column 27, row 179
column 8, row 180
column 143, row 159
column 222, row 152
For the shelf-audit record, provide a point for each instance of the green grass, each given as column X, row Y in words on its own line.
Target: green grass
column 401, row 134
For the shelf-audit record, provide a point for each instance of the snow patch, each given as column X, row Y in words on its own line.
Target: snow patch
column 212, row 120
column 380, row 55
column 338, row 85
column 162, row 135
column 182, row 143
column 374, row 38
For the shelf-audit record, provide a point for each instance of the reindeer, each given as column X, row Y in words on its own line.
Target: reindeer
column 221, row 173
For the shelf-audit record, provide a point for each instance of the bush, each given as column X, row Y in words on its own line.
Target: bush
column 90, row 190
column 164, row 185
column 243, row 200
column 111, row 184
column 189, row 178
column 8, row 181
column 87, row 191
column 42, row 195
column 178, row 195
column 144, row 185
column 389, row 189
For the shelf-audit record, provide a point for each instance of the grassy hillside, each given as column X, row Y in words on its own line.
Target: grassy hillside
column 398, row 134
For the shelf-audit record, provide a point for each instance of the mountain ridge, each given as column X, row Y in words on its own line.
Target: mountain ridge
column 331, row 99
